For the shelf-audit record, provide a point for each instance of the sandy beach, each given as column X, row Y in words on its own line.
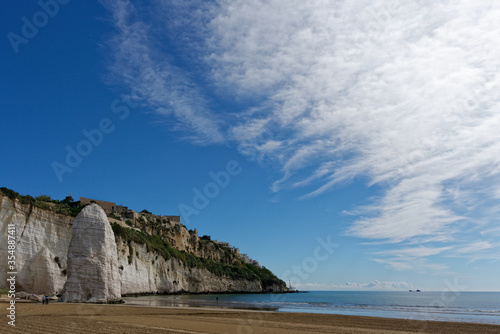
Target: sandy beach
column 89, row 318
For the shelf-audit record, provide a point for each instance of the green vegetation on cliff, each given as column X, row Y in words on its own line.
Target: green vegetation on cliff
column 155, row 243
column 66, row 206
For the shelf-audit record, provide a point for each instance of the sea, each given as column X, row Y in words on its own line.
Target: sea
column 476, row 307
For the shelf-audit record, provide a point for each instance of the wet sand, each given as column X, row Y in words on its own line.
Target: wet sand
column 89, row 318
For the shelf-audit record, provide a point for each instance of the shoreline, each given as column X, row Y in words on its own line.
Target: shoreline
column 123, row 318
column 184, row 293
column 271, row 306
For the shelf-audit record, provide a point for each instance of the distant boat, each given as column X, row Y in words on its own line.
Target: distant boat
column 418, row 290
column 411, row 290
column 290, row 287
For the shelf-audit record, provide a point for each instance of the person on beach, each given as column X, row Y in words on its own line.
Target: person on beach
column 43, row 300
column 46, row 300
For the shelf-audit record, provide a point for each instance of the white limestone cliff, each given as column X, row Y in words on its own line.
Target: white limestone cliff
column 149, row 272
column 42, row 240
column 93, row 274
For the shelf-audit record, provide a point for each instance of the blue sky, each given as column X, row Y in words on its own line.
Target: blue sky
column 357, row 141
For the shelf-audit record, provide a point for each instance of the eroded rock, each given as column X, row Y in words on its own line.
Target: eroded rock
column 93, row 274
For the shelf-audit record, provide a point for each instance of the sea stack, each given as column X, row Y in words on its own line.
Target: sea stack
column 93, row 275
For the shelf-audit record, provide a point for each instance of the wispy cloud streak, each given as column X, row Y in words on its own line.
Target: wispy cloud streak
column 403, row 95
column 152, row 78
column 354, row 286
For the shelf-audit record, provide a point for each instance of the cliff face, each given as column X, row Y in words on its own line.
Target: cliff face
column 43, row 239
column 183, row 239
column 143, row 271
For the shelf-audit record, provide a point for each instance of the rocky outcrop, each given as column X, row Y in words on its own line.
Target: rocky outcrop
column 144, row 271
column 183, row 239
column 42, row 240
column 92, row 260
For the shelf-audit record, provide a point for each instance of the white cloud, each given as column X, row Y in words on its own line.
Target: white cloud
column 418, row 264
column 154, row 81
column 476, row 247
column 353, row 286
column 479, row 250
column 390, row 88
column 416, row 252
column 404, row 95
column 491, row 232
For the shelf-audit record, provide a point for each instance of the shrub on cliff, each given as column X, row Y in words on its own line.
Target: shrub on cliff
column 44, row 198
column 9, row 193
column 62, row 207
column 24, row 199
column 42, row 205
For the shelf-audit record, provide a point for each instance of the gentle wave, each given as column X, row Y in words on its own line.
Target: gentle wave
column 465, row 307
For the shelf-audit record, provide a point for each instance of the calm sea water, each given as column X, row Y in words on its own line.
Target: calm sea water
column 480, row 307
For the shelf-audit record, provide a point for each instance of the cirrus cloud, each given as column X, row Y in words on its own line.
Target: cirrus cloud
column 354, row 286
column 403, row 95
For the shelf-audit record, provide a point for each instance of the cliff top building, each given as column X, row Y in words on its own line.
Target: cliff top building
column 108, row 207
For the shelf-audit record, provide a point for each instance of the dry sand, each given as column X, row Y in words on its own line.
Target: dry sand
column 88, row 318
